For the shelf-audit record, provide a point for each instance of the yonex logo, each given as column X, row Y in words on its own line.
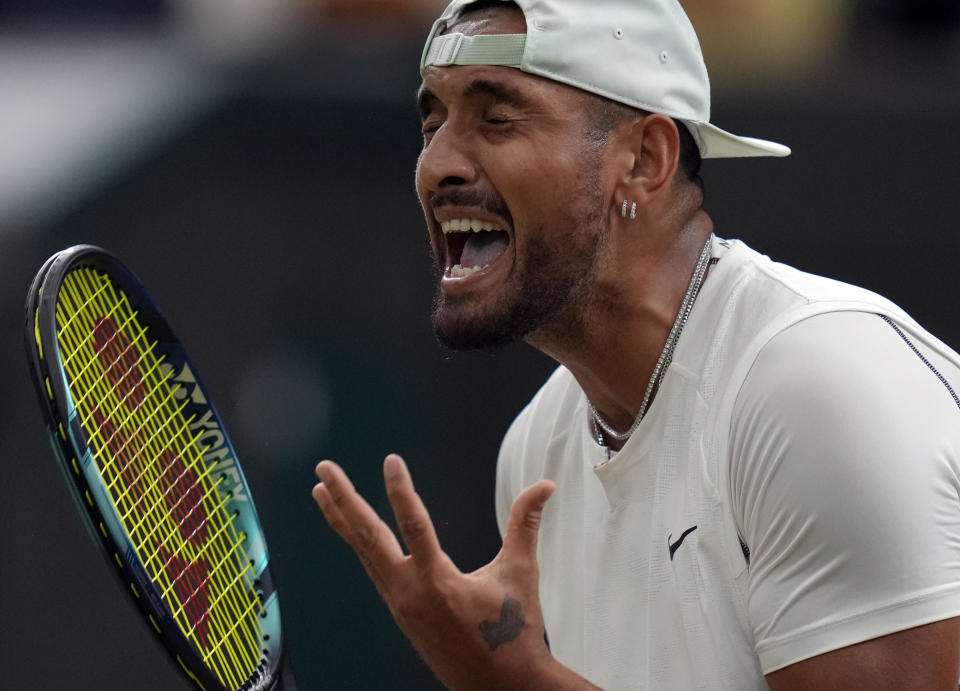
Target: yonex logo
column 185, row 377
column 216, row 453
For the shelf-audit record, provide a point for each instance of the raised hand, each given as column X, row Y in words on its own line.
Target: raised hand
column 482, row 630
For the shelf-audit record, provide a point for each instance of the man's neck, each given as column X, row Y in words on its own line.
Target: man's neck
column 612, row 349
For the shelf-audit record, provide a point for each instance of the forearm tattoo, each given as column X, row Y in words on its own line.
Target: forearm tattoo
column 496, row 633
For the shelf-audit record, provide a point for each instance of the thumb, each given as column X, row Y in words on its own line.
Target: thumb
column 523, row 526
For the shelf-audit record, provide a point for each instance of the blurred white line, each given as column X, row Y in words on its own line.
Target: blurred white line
column 78, row 106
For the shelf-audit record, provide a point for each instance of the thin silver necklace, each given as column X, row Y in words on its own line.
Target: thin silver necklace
column 600, row 426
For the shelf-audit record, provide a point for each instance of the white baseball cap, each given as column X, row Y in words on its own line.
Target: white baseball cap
column 644, row 53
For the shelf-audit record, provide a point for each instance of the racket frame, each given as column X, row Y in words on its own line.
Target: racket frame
column 70, row 444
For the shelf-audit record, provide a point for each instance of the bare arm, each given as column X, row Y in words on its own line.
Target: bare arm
column 480, row 630
column 925, row 658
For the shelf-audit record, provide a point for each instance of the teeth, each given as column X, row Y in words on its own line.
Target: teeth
column 458, row 271
column 466, row 225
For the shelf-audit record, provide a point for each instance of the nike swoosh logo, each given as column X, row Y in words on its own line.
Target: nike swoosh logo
column 676, row 545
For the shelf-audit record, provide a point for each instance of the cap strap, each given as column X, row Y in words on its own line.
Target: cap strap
column 485, row 49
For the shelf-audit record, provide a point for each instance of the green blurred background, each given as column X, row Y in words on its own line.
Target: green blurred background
column 253, row 160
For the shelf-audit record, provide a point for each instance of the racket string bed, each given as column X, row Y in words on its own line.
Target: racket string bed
column 173, row 585
column 217, row 602
column 190, row 581
column 216, row 570
column 173, row 508
column 122, row 449
column 108, row 436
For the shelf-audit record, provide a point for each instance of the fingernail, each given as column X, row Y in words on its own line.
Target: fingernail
column 391, row 468
column 318, row 495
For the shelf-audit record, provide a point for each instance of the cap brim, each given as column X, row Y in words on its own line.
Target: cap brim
column 718, row 143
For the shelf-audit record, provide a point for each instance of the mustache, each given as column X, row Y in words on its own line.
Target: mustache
column 490, row 203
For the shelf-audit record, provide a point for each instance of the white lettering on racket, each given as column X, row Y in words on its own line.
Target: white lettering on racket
column 218, row 452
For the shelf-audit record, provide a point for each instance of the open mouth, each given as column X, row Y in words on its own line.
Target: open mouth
column 472, row 245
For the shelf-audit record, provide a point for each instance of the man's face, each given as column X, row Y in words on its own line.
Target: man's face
column 511, row 189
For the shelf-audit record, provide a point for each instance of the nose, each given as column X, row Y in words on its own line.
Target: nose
column 447, row 161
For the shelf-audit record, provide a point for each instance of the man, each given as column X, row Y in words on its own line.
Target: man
column 755, row 472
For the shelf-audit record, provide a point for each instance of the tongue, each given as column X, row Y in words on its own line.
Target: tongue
column 484, row 248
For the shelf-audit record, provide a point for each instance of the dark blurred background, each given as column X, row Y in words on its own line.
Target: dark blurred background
column 253, row 161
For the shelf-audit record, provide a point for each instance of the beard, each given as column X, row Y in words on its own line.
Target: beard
column 544, row 297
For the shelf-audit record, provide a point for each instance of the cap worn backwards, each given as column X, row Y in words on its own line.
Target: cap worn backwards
column 644, row 53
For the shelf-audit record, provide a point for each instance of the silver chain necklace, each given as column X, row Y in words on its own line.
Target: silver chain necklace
column 600, row 426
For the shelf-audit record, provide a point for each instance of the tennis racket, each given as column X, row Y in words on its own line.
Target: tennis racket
column 153, row 471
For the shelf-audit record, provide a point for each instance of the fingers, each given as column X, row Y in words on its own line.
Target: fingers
column 356, row 522
column 413, row 520
column 523, row 525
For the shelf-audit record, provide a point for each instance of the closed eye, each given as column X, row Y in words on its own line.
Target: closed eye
column 429, row 129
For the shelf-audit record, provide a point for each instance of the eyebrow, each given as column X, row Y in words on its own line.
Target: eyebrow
column 499, row 91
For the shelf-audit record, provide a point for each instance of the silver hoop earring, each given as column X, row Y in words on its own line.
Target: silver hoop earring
column 633, row 211
column 623, row 209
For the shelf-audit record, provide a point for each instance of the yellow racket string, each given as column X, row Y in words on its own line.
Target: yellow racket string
column 145, row 451
column 217, row 571
column 167, row 581
column 164, row 579
column 225, row 590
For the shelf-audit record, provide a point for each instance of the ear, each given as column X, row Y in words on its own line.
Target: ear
column 654, row 144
